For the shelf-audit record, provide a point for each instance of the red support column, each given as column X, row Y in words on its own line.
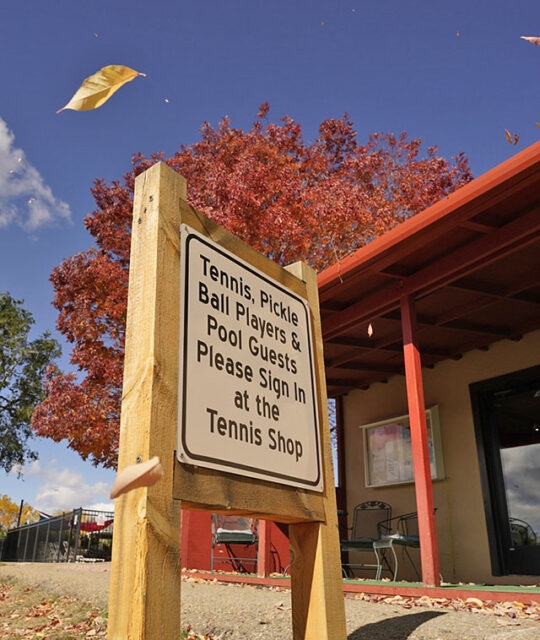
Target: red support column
column 263, row 560
column 422, row 473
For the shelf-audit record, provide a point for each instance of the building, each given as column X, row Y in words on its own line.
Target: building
column 443, row 312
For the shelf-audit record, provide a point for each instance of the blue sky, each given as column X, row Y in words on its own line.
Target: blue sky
column 456, row 74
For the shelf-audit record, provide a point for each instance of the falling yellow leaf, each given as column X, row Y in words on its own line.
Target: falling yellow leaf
column 533, row 39
column 457, row 34
column 99, row 87
column 95, row 35
column 19, row 159
column 166, row 100
column 537, row 124
column 370, row 330
column 516, row 138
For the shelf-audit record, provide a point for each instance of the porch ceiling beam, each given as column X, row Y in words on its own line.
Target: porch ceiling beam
column 389, row 369
column 485, row 341
column 338, row 392
column 489, row 298
column 493, row 290
column 392, row 344
column 532, row 298
column 429, row 352
column 350, row 383
column 463, row 325
column 503, row 241
column 330, row 306
column 477, row 226
column 443, row 322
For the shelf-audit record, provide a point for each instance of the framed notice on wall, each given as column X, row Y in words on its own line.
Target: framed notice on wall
column 388, row 451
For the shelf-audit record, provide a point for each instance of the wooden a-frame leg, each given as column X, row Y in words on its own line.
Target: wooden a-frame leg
column 144, row 600
column 318, row 606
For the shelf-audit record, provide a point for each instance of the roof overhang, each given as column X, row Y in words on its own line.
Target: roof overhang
column 471, row 261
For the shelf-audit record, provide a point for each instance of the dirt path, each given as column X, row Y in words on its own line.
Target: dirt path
column 248, row 613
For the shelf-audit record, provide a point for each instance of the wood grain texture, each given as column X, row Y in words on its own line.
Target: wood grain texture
column 318, row 607
column 144, row 599
column 145, row 577
column 220, row 492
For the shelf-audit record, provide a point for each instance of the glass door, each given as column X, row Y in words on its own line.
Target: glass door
column 509, row 411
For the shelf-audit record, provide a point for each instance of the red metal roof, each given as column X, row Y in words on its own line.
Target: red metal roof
column 472, row 261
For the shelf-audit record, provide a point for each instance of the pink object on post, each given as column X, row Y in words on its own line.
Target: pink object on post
column 144, row 474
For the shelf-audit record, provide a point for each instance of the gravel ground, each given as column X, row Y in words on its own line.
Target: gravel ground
column 240, row 612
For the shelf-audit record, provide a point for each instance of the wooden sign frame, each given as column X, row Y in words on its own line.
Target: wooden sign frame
column 144, row 601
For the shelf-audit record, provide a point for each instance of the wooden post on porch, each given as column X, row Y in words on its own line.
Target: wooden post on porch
column 429, row 553
column 263, row 552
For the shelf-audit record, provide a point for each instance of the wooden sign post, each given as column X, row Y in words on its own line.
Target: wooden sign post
column 144, row 601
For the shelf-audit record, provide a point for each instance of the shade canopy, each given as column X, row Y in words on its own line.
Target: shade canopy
column 471, row 261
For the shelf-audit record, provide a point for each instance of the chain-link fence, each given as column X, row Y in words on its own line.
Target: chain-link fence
column 81, row 534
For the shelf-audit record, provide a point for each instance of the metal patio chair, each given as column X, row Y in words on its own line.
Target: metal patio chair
column 405, row 535
column 521, row 532
column 370, row 521
column 229, row 530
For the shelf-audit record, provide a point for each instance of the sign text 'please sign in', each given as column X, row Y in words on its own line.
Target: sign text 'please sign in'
column 247, row 401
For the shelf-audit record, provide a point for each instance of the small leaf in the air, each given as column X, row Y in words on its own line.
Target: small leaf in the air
column 99, row 87
column 370, row 330
column 511, row 140
column 533, row 39
column 537, row 124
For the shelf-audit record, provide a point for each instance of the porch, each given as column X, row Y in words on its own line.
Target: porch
column 443, row 313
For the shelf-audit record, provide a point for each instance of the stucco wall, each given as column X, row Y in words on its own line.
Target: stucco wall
column 461, row 524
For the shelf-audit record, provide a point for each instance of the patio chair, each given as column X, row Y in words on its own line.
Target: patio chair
column 405, row 535
column 229, row 530
column 370, row 520
column 521, row 532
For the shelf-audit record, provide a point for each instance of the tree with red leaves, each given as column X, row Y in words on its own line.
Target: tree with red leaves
column 288, row 199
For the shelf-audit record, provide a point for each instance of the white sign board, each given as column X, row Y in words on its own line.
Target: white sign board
column 247, row 393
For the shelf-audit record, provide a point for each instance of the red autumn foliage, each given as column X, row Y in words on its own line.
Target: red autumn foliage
column 287, row 198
